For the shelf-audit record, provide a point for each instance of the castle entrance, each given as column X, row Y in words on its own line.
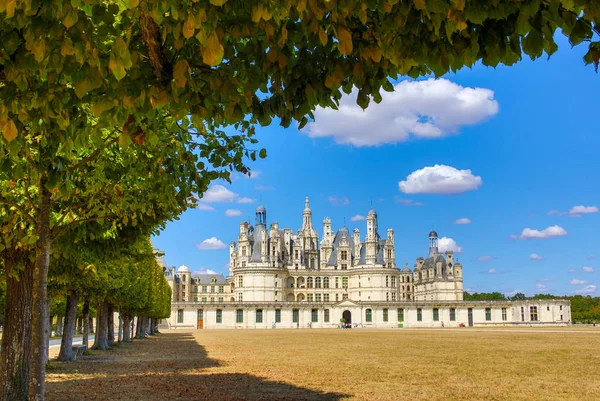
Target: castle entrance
column 347, row 316
column 200, row 319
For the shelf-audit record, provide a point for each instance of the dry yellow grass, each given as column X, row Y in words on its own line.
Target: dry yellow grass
column 466, row 364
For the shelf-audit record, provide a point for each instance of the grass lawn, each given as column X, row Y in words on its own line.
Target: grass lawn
column 466, row 364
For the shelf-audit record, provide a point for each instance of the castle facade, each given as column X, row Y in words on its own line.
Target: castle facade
column 278, row 278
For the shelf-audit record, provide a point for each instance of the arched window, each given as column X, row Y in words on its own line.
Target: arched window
column 326, row 282
column 318, row 282
column 369, row 315
column 309, row 282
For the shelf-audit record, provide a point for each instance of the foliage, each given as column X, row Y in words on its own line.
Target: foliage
column 484, row 296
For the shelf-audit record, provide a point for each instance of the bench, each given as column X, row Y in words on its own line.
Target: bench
column 78, row 350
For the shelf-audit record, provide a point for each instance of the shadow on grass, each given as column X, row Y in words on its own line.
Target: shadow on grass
column 165, row 367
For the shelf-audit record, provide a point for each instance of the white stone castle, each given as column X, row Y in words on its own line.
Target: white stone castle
column 281, row 279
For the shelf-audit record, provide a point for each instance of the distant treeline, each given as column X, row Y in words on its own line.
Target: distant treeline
column 584, row 309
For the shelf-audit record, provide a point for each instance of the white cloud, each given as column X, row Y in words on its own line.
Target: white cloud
column 545, row 280
column 484, row 258
column 211, row 244
column 448, row 244
column 590, row 289
column 407, row 202
column 338, row 201
column 233, row 212
column 219, row 194
column 431, row 108
column 553, row 231
column 463, row 220
column 535, row 256
column 541, row 287
column 588, row 269
column 204, row 270
column 578, row 282
column 439, row 179
column 492, row 271
column 246, row 200
column 572, row 271
column 204, row 206
column 264, row 188
column 551, row 212
column 583, row 210
column 358, row 217
column 253, row 174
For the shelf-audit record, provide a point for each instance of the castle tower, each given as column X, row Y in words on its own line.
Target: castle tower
column 306, row 216
column 389, row 256
column 433, row 243
column 372, row 238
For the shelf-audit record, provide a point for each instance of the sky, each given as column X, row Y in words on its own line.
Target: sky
column 502, row 163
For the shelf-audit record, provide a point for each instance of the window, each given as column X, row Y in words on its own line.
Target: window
column 393, row 281
column 419, row 315
column 393, row 296
column 318, row 282
column 325, row 297
column 561, row 307
column 344, row 266
column 452, row 314
column 344, row 296
column 219, row 316
column 243, row 263
column 522, row 314
column 295, row 315
column 240, row 281
column 204, row 288
column 436, row 314
column 337, row 297
column 385, row 315
column 387, row 296
column 239, row 316
column 259, row 316
column 488, row 314
column 221, row 288
column 548, row 308
column 344, row 255
column 317, row 297
column 561, row 317
column 503, row 313
column 180, row 316
column 337, row 282
column 277, row 315
column 369, row 315
column 533, row 313
column 387, row 281
column 309, row 282
column 296, row 254
column 212, row 288
column 243, row 251
column 314, row 315
column 220, row 299
column 326, row 282
column 240, row 297
column 400, row 314
column 326, row 315
column 195, row 299
column 309, row 297
column 212, row 299
column 345, row 282
column 195, row 288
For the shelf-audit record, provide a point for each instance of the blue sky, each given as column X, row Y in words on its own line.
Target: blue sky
column 527, row 133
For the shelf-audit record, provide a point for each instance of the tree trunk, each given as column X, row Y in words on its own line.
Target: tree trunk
column 140, row 327
column 120, row 329
column 150, row 327
column 16, row 338
column 111, row 324
column 156, row 326
column 86, row 322
column 101, row 339
column 79, row 329
column 59, row 325
column 126, row 328
column 66, row 345
column 132, row 327
column 39, row 348
column 91, row 325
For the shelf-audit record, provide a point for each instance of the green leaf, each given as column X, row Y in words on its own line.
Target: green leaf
column 533, row 44
column 263, row 153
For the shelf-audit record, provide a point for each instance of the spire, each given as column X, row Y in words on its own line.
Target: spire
column 306, row 204
column 307, row 215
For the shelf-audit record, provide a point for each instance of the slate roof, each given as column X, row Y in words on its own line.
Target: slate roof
column 342, row 233
column 206, row 278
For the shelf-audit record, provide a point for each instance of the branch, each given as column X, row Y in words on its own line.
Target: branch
column 24, row 212
column 94, row 154
column 151, row 37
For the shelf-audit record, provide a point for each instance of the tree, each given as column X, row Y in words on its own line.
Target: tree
column 134, row 64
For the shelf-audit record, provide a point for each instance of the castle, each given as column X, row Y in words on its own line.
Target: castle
column 278, row 278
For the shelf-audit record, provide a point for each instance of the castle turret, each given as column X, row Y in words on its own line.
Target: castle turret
column 372, row 238
column 433, row 243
